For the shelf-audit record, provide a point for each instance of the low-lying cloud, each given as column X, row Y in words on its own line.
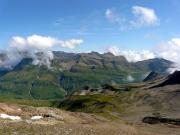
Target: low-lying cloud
column 169, row 51
column 130, row 78
column 29, row 47
column 132, row 56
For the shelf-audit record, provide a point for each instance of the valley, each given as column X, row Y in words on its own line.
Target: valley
column 70, row 72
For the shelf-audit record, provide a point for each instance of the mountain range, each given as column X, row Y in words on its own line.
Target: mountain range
column 101, row 92
column 73, row 71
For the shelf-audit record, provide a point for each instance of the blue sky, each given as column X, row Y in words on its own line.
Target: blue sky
column 87, row 20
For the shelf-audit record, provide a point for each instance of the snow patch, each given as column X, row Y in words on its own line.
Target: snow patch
column 5, row 116
column 36, row 117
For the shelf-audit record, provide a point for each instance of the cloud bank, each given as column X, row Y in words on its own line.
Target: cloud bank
column 36, row 47
column 132, row 56
column 39, row 49
column 169, row 51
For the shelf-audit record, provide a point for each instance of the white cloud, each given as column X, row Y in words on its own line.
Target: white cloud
column 28, row 47
column 70, row 43
column 132, row 56
column 114, row 50
column 170, row 51
column 113, row 17
column 42, row 42
column 144, row 16
column 109, row 14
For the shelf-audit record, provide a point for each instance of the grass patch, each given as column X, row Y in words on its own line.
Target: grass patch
column 28, row 102
column 102, row 104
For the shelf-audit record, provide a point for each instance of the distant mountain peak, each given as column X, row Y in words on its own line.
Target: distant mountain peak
column 109, row 53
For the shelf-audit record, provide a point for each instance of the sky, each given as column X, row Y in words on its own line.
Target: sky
column 120, row 26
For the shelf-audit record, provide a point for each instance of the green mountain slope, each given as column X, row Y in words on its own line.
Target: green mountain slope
column 71, row 72
column 29, row 81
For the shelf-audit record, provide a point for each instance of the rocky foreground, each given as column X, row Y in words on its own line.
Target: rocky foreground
column 52, row 121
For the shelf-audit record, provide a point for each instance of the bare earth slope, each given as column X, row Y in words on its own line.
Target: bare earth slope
column 58, row 122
